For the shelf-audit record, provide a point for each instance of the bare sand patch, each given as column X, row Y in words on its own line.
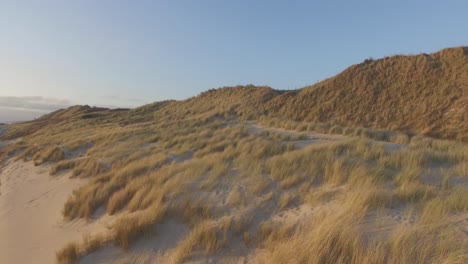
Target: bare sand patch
column 32, row 227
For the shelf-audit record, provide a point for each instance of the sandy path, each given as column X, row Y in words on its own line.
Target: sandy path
column 31, row 225
column 310, row 137
column 315, row 138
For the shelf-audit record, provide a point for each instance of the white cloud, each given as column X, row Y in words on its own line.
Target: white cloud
column 33, row 103
column 15, row 108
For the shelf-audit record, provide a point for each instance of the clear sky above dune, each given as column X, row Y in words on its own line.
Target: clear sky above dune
column 127, row 53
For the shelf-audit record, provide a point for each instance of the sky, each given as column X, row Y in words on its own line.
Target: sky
column 55, row 53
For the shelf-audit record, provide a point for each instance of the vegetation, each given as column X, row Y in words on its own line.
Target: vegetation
column 248, row 165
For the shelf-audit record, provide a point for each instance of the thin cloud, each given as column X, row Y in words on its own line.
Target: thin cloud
column 22, row 108
column 33, row 103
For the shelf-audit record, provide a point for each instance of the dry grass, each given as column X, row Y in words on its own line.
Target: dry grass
column 339, row 241
column 50, row 154
column 89, row 168
column 68, row 254
column 62, row 165
column 285, row 200
column 204, row 237
column 128, row 229
column 197, row 162
column 359, row 174
column 71, row 253
column 235, row 197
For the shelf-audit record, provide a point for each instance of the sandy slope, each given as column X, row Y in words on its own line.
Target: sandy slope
column 31, row 225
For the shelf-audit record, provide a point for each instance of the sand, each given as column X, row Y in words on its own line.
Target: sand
column 31, row 225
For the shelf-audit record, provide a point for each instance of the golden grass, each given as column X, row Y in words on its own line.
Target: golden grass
column 438, row 209
column 204, row 237
column 235, row 197
column 68, row 254
column 331, row 243
column 50, row 154
column 73, row 251
column 88, row 168
column 373, row 179
column 317, row 196
column 340, row 241
column 204, row 167
column 285, row 200
column 259, row 185
column 128, row 229
column 62, row 165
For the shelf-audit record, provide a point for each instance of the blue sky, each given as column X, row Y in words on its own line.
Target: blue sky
column 127, row 53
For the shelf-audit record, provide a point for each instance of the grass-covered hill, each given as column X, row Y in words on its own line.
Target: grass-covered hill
column 424, row 94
